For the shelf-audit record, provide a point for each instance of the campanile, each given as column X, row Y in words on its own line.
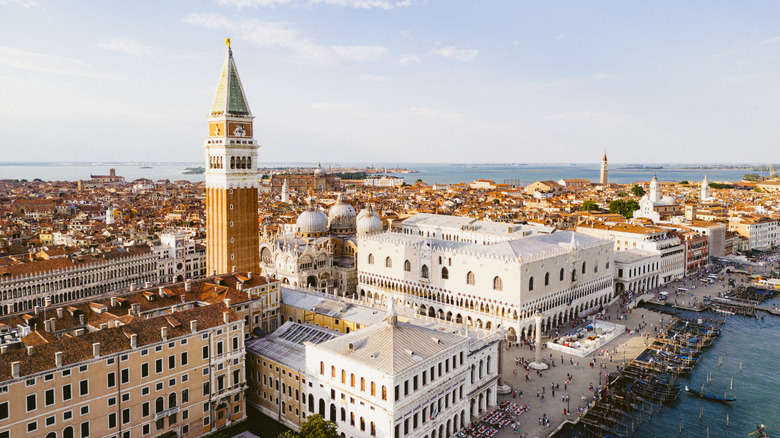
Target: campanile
column 231, row 178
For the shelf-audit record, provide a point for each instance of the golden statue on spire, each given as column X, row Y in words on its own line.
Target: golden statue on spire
column 227, row 42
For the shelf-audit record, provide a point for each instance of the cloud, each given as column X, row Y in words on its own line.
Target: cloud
column 130, row 47
column 771, row 40
column 435, row 115
column 408, row 59
column 332, row 106
column 22, row 3
column 251, row 3
column 374, row 78
column 45, row 63
column 281, row 35
column 465, row 55
column 366, row 4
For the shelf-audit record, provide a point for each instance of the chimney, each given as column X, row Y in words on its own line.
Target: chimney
column 133, row 341
column 81, row 319
column 183, row 298
column 59, row 312
column 37, row 310
column 249, row 275
column 15, row 370
column 239, row 287
column 188, row 286
column 96, row 349
column 161, row 292
column 135, row 309
column 30, row 350
column 227, row 302
column 3, row 349
column 58, row 359
column 47, row 325
column 164, row 333
column 226, row 317
column 47, row 302
column 213, row 272
column 194, row 325
column 132, row 287
column 53, row 324
column 113, row 301
column 233, row 268
column 147, row 284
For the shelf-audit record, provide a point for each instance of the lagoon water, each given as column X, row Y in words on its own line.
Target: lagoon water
column 429, row 173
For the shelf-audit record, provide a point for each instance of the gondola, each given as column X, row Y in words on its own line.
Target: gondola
column 710, row 396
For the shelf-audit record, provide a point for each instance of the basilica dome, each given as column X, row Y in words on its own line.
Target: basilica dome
column 319, row 172
column 312, row 223
column 342, row 217
column 369, row 222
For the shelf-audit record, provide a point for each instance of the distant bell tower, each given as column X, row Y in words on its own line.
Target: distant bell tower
column 705, row 189
column 231, row 178
column 603, row 179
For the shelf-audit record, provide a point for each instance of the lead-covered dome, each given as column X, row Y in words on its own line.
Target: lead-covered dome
column 342, row 217
column 369, row 222
column 312, row 222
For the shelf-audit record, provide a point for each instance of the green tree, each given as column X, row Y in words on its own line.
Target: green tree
column 589, row 205
column 622, row 194
column 496, row 201
column 314, row 427
column 684, row 182
column 637, row 190
column 623, row 207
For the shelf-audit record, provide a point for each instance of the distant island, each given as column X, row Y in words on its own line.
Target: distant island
column 639, row 166
column 194, row 171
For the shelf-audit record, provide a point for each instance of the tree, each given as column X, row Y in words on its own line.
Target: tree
column 314, row 427
column 622, row 194
column 637, row 190
column 496, row 201
column 684, row 182
column 623, row 207
column 589, row 205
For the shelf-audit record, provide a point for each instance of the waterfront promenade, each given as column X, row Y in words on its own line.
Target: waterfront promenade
column 642, row 326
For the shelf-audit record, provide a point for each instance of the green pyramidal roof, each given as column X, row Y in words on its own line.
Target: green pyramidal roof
column 230, row 99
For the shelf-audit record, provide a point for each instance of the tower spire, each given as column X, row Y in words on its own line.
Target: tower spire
column 230, row 98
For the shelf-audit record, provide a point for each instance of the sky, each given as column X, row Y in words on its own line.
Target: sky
column 388, row 81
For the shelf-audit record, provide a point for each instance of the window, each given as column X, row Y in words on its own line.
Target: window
column 83, row 369
column 573, row 275
column 111, row 379
column 145, row 409
column 30, row 382
column 547, row 279
column 498, row 284
column 85, row 429
column 145, row 390
column 373, row 388
column 235, row 343
column 125, row 416
column 3, row 410
column 125, row 397
column 445, row 274
column 531, row 283
column 407, row 266
column 384, row 392
column 185, row 396
column 219, row 348
column 31, row 427
column 32, row 403
column 370, row 259
column 84, row 387
column 112, row 401
column 561, row 279
column 125, row 375
column 158, row 366
column 205, row 352
column 388, row 262
column 67, row 415
column 49, row 397
column 583, row 267
column 424, row 271
column 145, row 430
column 112, row 420
column 470, row 278
column 184, row 359
column 171, row 362
column 84, row 410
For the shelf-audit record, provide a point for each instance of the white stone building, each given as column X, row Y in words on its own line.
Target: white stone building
column 179, row 258
column 637, row 270
column 486, row 275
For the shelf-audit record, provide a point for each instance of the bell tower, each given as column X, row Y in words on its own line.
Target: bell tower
column 603, row 175
column 232, row 233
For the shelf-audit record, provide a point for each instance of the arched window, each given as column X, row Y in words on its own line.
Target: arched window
column 561, row 279
column 362, row 384
column 583, row 267
column 68, row 432
column 384, row 392
column 388, row 262
column 607, row 264
column 424, row 272
column 373, row 429
column 547, row 279
column 343, row 376
column 373, row 389
column 531, row 283
column 573, row 275
column 498, row 284
column 595, row 267
column 445, row 274
column 322, row 367
column 407, row 266
column 248, row 162
column 159, row 404
column 370, row 259
column 470, row 278
column 352, row 379
column 333, row 371
column 172, row 400
column 232, row 162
